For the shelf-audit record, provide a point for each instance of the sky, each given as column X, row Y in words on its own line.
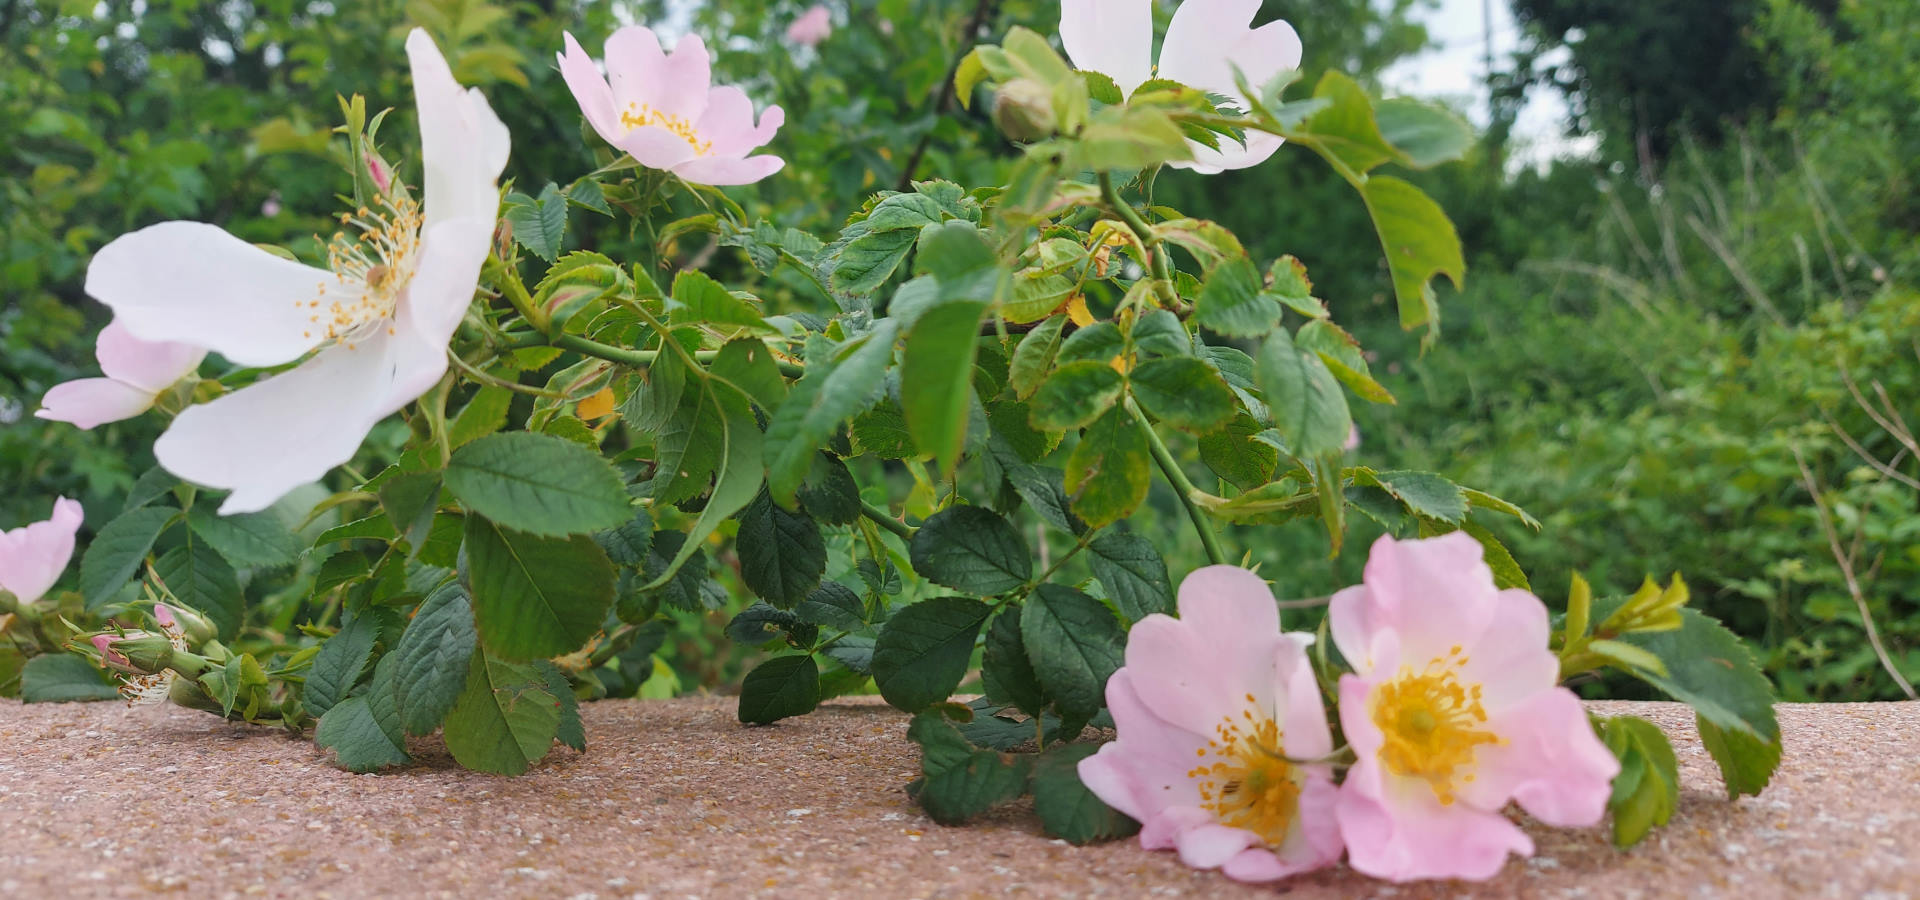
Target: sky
column 1455, row 69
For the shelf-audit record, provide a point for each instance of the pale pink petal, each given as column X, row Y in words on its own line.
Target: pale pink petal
column 728, row 122
column 152, row 366
column 288, row 430
column 1436, row 592
column 33, row 556
column 193, row 283
column 1548, row 759
column 92, row 402
column 637, row 67
column 463, row 145
column 1163, row 829
column 1356, row 719
column 1210, row 846
column 451, row 254
column 1207, row 39
column 812, row 27
column 687, row 77
column 657, row 147
column 1225, row 600
column 1350, row 622
column 722, row 171
column 1316, row 840
column 590, row 90
column 1112, row 37
column 163, row 616
column 1145, row 770
column 1510, row 659
column 1396, row 829
column 1260, row 146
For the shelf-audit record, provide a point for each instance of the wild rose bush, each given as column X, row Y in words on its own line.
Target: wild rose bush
column 583, row 431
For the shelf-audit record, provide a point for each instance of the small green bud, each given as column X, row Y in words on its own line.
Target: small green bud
column 1023, row 109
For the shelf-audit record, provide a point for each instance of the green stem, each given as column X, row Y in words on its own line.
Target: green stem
column 1162, row 264
column 516, row 293
column 886, row 520
column 639, row 359
column 1085, row 539
column 1170, row 467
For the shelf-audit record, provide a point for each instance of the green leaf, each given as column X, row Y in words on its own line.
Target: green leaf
column 1033, row 357
column 1233, row 304
column 247, row 540
column 835, row 388
column 485, row 414
column 535, row 597
column 1109, row 471
column 854, row 651
column 1425, row 135
column 1006, row 675
column 923, row 651
column 1420, row 242
column 936, row 377
column 116, row 552
column 739, row 477
column 1133, row 573
column 1234, row 455
column 781, row 687
column 430, row 660
column 572, row 732
column 1290, row 285
column 1309, row 409
column 900, row 211
column 830, row 494
column 971, row 549
column 538, row 224
column 1647, row 789
column 538, row 484
column 1747, row 762
column 199, row 578
column 698, row 299
column 782, row 554
column 1074, row 395
column 1343, row 357
column 1044, row 490
column 62, row 678
column 1422, row 493
column 1506, row 570
column 749, row 365
column 1184, row 392
column 759, row 624
column 1066, row 808
column 505, row 720
column 1075, row 644
column 834, row 605
column 869, row 260
column 1344, row 130
column 152, row 484
column 1483, row 500
column 1709, row 669
column 961, row 782
column 364, row 731
column 628, row 544
column 337, row 667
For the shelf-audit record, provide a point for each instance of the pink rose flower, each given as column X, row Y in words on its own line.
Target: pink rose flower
column 136, row 372
column 1453, row 709
column 1212, row 709
column 813, row 26
column 33, row 556
column 664, row 110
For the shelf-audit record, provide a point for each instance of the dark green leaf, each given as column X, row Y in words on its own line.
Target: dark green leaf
column 337, row 667
column 1709, row 669
column 868, row 261
column 1108, row 472
column 117, row 551
column 923, row 651
column 1067, row 809
column 1747, row 762
column 539, row 484
column 1184, row 392
column 835, row 388
column 247, row 540
column 834, row 605
column 538, row 224
column 1006, row 674
column 505, row 720
column 936, row 372
column 1309, row 409
column 535, row 597
column 971, row 549
column 830, row 494
column 1075, row 644
column 779, row 688
column 961, row 782
column 1133, row 573
column 782, row 554
column 62, row 678
column 1232, row 303
column 572, row 732
column 698, row 299
column 364, row 731
column 200, row 579
column 627, row 545
column 1033, row 358
column 1234, row 455
column 431, row 658
column 1074, row 395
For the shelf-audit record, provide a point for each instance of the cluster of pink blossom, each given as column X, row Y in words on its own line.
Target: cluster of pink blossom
column 1452, row 709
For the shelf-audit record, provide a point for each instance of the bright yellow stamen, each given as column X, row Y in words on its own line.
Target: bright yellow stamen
column 639, row 114
column 1431, row 723
column 1250, row 784
column 373, row 265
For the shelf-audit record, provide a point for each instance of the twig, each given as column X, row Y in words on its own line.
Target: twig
column 1182, row 486
column 1740, row 273
column 1846, row 570
column 945, row 99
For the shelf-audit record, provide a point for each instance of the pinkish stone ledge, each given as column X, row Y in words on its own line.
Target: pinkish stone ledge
column 675, row 799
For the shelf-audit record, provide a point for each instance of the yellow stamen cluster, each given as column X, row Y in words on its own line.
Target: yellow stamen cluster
column 639, row 114
column 1431, row 723
column 1249, row 784
column 372, row 265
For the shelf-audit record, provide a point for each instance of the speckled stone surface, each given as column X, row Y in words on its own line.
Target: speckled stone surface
column 676, row 799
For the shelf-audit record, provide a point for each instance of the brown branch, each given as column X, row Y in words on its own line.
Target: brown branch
column 1853, row 584
column 981, row 12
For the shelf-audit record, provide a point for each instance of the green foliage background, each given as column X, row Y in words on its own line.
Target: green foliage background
column 1644, row 341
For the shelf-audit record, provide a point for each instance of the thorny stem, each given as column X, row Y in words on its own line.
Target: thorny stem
column 1170, row 467
column 886, row 520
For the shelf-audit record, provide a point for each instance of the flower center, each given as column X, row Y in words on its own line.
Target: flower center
column 1431, row 723
column 372, row 265
column 1249, row 784
column 640, row 114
